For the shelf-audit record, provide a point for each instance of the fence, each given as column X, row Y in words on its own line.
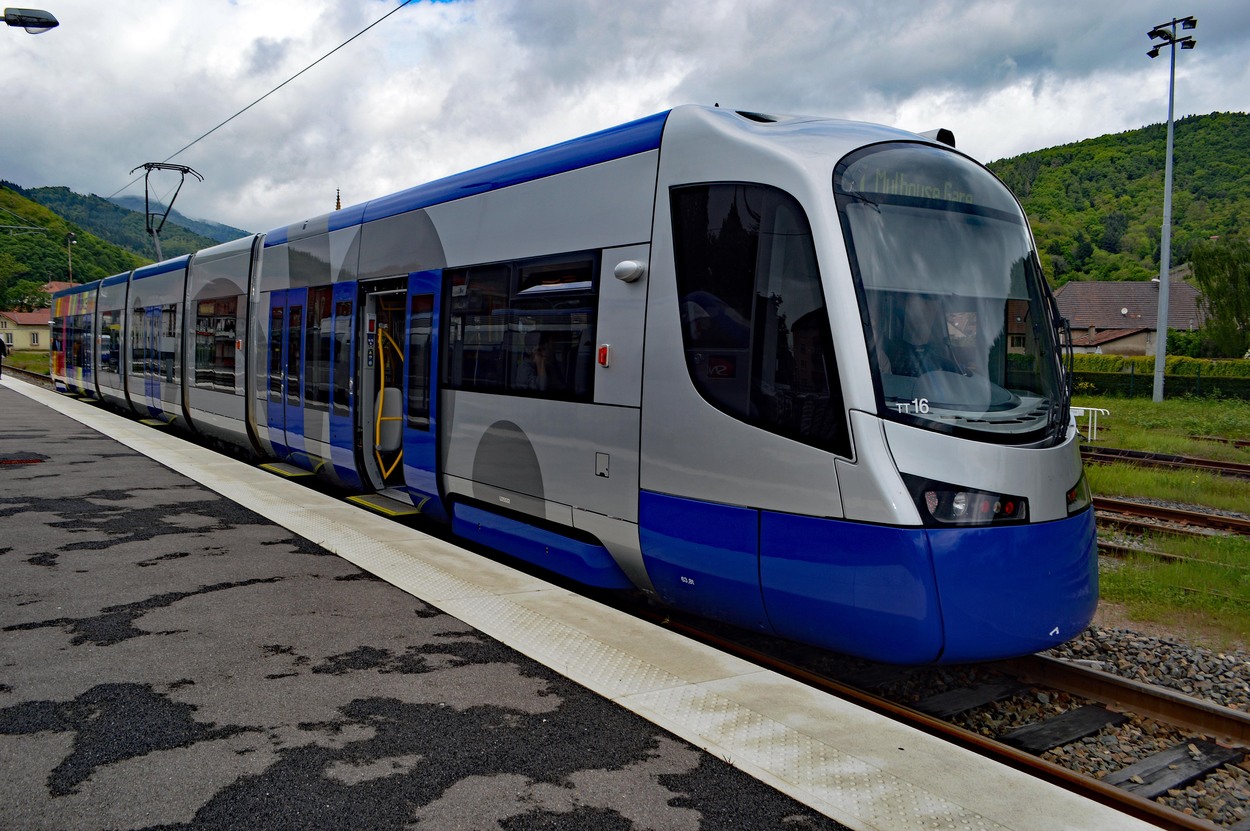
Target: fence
column 1132, row 384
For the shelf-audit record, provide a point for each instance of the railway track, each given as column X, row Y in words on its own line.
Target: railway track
column 1167, row 461
column 26, row 375
column 1084, row 701
column 1222, row 440
column 1177, row 516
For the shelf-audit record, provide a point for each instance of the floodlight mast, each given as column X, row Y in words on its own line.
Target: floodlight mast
column 1166, row 34
column 148, row 213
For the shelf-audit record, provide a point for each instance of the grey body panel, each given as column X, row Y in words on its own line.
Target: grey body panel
column 622, row 319
column 400, row 244
column 602, row 206
column 1050, row 471
column 112, row 385
column 872, row 490
column 222, row 271
column 544, row 450
column 689, row 448
column 575, row 464
column 164, row 289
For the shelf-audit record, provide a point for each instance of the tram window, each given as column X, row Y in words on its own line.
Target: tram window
column 754, row 323
column 166, row 339
column 525, row 327
column 294, row 354
column 317, row 349
column 216, row 329
column 341, row 355
column 138, row 341
column 110, row 340
column 79, row 332
column 479, row 316
column 275, row 354
column 420, row 331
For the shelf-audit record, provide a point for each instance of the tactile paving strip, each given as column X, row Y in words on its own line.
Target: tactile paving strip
column 852, row 790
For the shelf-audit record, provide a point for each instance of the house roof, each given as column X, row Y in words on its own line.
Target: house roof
column 1129, row 305
column 39, row 317
column 1082, row 337
column 55, row 286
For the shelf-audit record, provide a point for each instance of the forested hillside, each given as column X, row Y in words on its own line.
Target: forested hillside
column 205, row 228
column 34, row 250
column 118, row 225
column 1097, row 206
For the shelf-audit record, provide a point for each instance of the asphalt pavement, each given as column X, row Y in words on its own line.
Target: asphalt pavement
column 170, row 660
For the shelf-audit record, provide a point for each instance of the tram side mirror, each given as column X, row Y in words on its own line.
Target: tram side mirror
column 629, row 271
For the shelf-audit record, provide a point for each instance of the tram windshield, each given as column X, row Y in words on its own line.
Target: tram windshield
column 955, row 310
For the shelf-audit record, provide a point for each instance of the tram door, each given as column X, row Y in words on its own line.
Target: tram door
column 421, row 392
column 152, row 358
column 285, row 410
column 398, row 406
column 382, row 374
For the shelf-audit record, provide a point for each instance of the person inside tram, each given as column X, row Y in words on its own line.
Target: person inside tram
column 923, row 345
column 536, row 371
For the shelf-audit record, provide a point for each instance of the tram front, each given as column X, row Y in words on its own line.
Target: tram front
column 962, row 335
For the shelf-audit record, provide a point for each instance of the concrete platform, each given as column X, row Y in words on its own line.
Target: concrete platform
column 235, row 662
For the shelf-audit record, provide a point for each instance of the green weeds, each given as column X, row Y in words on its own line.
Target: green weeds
column 1207, row 590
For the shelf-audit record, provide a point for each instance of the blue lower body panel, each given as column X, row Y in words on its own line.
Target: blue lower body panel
column 1016, row 589
column 905, row 595
column 584, row 562
column 703, row 557
column 865, row 590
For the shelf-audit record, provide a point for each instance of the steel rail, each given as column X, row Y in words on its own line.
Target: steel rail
column 1166, row 461
column 1161, row 703
column 1119, row 522
column 1122, row 506
column 27, row 375
column 1222, row 440
column 1121, row 800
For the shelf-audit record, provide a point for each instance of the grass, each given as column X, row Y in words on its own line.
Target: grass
column 1194, row 487
column 31, row 361
column 1208, row 592
column 1206, row 596
column 1168, row 427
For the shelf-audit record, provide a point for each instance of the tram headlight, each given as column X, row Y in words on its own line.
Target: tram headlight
column 942, row 504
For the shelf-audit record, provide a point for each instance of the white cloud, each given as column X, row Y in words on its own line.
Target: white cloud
column 444, row 86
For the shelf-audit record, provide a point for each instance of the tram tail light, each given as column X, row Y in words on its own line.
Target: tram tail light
column 1078, row 496
column 942, row 504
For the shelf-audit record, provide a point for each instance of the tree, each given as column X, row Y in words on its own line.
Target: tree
column 26, row 296
column 1222, row 271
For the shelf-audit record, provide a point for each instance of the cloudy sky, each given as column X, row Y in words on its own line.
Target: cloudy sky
column 439, row 87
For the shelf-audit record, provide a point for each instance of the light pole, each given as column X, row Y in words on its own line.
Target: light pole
column 1165, row 33
column 35, row 21
column 70, row 241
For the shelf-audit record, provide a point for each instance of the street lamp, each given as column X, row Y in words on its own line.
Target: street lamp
column 70, row 242
column 1165, row 33
column 35, row 21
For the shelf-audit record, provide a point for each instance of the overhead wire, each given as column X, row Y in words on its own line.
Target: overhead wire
column 402, row 4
